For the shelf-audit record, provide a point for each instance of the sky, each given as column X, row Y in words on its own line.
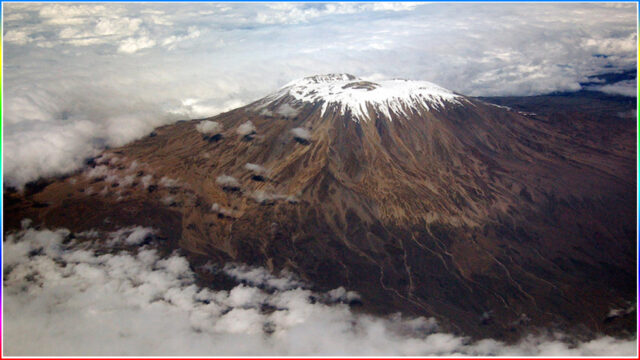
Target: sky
column 80, row 77
column 75, row 299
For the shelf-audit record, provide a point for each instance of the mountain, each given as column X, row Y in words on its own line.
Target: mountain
column 493, row 220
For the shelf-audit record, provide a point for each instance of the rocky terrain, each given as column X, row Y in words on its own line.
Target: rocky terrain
column 495, row 217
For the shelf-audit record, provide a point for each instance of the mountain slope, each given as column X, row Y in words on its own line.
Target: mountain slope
column 422, row 200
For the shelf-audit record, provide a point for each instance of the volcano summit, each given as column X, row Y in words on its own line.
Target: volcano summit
column 422, row 200
column 357, row 97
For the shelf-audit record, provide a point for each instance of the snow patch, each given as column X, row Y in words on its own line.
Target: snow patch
column 358, row 97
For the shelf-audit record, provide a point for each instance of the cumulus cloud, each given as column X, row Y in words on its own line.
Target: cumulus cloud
column 131, row 45
column 224, row 211
column 17, row 37
column 621, row 312
column 146, row 180
column 74, row 83
column 301, row 133
column 247, row 128
column 83, row 301
column 255, row 168
column 268, row 198
column 228, row 182
column 256, row 276
column 287, row 111
column 134, row 235
column 169, row 182
column 169, row 200
column 175, row 40
column 208, row 127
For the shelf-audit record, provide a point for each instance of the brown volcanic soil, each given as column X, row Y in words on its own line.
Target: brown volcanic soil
column 492, row 221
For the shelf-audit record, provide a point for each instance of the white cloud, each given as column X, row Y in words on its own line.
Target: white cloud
column 266, row 198
column 394, row 6
column 287, row 111
column 208, row 127
column 256, row 276
column 246, row 128
column 146, row 180
column 168, row 200
column 66, row 14
column 228, row 181
column 290, row 13
column 117, row 26
column 17, row 37
column 47, row 150
column 134, row 235
column 169, row 182
column 132, row 45
column 68, row 299
column 301, row 133
column 14, row 17
column 255, row 168
column 174, row 40
column 224, row 211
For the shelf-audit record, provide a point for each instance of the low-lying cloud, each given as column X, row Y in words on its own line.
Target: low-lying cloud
column 222, row 210
column 245, row 129
column 624, row 88
column 210, row 128
column 228, row 181
column 65, row 297
column 255, row 168
column 301, row 133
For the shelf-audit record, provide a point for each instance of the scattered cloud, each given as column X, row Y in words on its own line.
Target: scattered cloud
column 132, row 45
column 613, row 313
column 255, row 168
column 208, row 127
column 268, row 198
column 227, row 181
column 146, row 180
column 169, row 200
column 224, row 211
column 175, row 40
column 287, row 111
column 16, row 37
column 67, row 298
column 134, row 235
column 247, row 128
column 301, row 133
column 169, row 182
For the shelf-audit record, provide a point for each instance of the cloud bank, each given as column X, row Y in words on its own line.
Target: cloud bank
column 81, row 77
column 65, row 298
column 624, row 88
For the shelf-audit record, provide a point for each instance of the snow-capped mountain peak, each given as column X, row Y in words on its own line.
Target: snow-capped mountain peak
column 351, row 95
